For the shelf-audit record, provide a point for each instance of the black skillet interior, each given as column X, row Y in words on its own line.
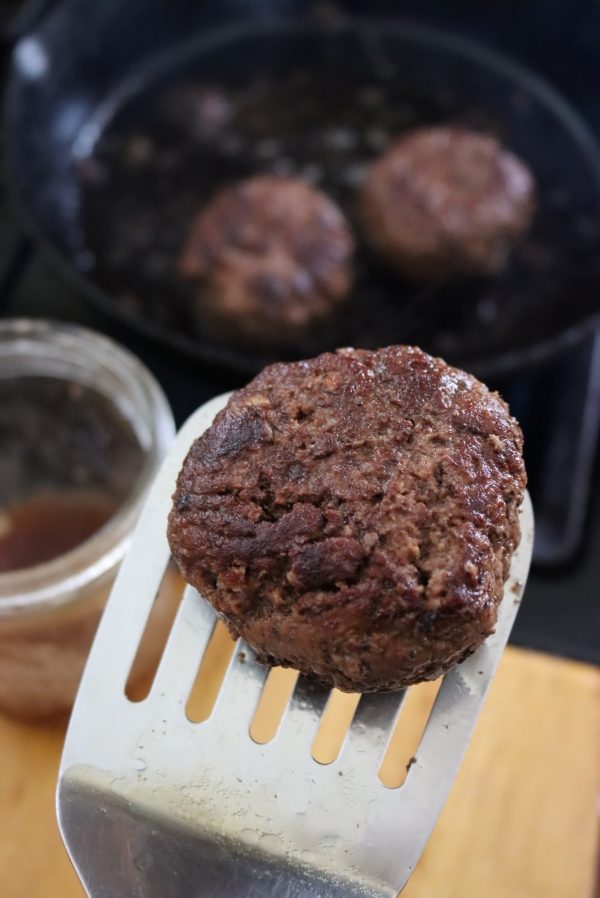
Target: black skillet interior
column 123, row 119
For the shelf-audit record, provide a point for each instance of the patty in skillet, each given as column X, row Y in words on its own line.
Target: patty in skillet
column 268, row 258
column 446, row 201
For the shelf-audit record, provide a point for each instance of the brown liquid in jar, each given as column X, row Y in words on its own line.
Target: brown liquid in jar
column 69, row 458
column 47, row 525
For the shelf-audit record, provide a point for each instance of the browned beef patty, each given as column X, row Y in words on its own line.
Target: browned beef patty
column 354, row 515
column 446, row 201
column 269, row 257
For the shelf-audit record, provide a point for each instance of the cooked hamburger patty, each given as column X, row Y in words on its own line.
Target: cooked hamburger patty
column 270, row 256
column 354, row 515
column 446, row 201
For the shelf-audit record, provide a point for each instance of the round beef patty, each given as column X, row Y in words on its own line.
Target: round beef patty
column 270, row 256
column 354, row 516
column 446, row 201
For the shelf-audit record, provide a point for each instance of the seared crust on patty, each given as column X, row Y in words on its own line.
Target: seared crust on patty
column 354, row 515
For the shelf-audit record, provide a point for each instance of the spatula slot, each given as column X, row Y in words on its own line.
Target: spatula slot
column 154, row 637
column 335, row 721
column 273, row 701
column 400, row 754
column 211, row 672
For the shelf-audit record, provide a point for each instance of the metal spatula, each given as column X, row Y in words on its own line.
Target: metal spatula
column 151, row 805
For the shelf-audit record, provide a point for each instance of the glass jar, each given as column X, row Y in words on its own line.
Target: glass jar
column 109, row 432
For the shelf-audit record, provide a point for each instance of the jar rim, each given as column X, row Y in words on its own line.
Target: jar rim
column 60, row 581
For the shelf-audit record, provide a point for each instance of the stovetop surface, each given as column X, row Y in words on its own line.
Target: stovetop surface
column 561, row 609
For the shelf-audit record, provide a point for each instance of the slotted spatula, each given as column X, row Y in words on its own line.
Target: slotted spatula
column 151, row 805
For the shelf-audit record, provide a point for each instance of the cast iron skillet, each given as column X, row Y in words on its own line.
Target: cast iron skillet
column 122, row 119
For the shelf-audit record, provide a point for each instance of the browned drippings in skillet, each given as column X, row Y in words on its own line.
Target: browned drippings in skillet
column 322, row 104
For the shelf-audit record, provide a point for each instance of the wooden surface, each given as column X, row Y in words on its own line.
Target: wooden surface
column 522, row 820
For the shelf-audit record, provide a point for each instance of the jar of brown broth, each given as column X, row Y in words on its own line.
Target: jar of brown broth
column 83, row 428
